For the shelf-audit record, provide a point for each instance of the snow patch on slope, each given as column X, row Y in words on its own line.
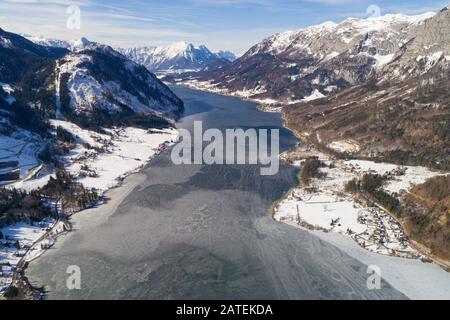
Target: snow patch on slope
column 314, row 96
column 430, row 61
column 9, row 90
column 84, row 89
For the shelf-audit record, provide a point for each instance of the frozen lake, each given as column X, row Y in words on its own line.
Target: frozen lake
column 204, row 232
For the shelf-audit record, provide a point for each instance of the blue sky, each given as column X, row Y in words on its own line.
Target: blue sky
column 220, row 24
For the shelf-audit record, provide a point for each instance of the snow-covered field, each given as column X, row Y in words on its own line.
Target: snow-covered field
column 123, row 151
column 349, row 146
column 108, row 157
column 25, row 242
column 325, row 205
column 19, row 150
column 35, row 179
column 17, row 240
column 313, row 96
column 412, row 175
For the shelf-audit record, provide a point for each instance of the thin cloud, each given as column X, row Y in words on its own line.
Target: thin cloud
column 220, row 24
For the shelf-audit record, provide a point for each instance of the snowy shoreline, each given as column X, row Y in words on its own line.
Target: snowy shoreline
column 109, row 159
column 267, row 105
column 324, row 205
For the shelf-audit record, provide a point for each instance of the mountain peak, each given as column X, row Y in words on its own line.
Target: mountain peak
column 81, row 42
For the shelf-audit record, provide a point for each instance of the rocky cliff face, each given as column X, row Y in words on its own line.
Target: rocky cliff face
column 428, row 49
column 99, row 79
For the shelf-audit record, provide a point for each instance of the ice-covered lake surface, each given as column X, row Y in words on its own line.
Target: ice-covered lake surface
column 206, row 232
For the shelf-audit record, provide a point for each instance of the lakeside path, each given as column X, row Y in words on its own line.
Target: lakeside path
column 205, row 232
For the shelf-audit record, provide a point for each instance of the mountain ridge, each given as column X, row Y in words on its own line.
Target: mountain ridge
column 176, row 57
column 93, row 79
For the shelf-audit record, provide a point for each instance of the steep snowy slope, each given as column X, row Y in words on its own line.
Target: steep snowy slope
column 97, row 79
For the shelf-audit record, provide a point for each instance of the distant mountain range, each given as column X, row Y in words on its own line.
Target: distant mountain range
column 381, row 81
column 176, row 58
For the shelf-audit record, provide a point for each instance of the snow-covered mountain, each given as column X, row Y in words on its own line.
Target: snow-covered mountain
column 93, row 86
column 71, row 45
column 97, row 77
column 77, row 107
column 177, row 57
column 381, row 83
column 295, row 66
